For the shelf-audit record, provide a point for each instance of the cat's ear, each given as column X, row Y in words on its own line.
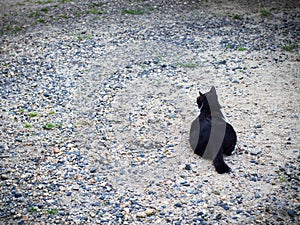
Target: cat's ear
column 200, row 93
column 200, row 101
column 213, row 90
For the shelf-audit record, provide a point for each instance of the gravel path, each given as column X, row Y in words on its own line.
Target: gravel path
column 97, row 98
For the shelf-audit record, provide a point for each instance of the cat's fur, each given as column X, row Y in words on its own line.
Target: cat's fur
column 211, row 135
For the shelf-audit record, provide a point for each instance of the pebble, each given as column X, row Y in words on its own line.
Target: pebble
column 255, row 151
column 188, row 167
column 257, row 195
column 93, row 170
column 185, row 183
column 4, row 177
column 239, row 211
column 141, row 215
column 224, row 206
column 56, row 150
column 17, row 195
column 291, row 212
column 150, row 211
column 178, row 205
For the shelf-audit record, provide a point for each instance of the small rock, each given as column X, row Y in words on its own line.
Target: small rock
column 219, row 216
column 93, row 170
column 192, row 191
column 25, row 217
column 169, row 182
column 257, row 195
column 253, row 178
column 70, row 145
column 84, row 31
column 200, row 213
column 239, row 211
column 75, row 187
column 148, row 145
column 185, row 183
column 141, row 215
column 187, row 167
column 17, row 139
column 4, row 177
column 47, row 95
column 5, row 146
column 95, row 204
column 150, row 211
column 224, row 206
column 291, row 212
column 56, row 150
column 253, row 161
column 172, row 116
column 17, row 195
column 178, row 205
column 234, row 81
column 255, row 152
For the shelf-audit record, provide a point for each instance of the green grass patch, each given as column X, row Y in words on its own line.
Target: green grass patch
column 50, row 126
column 65, row 1
column 41, row 2
column 41, row 20
column 97, row 4
column 14, row 29
column 35, row 15
column 216, row 192
column 237, row 17
column 27, row 125
column 282, row 179
column 20, row 3
column 265, row 12
column 242, row 49
column 52, row 211
column 94, row 11
column 289, row 47
column 32, row 114
column 32, row 209
column 78, row 13
column 133, row 11
column 63, row 16
column 52, row 112
column 160, row 58
column 45, row 10
column 85, row 37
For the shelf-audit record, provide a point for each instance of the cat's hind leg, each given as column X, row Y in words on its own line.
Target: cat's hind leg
column 228, row 151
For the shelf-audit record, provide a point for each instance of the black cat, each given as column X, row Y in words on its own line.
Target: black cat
column 210, row 135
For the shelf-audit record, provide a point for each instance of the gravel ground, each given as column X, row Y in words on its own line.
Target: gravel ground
column 97, row 98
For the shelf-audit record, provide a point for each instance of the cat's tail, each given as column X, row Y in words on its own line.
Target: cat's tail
column 219, row 163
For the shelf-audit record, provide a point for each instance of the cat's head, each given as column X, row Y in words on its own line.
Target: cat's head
column 209, row 99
